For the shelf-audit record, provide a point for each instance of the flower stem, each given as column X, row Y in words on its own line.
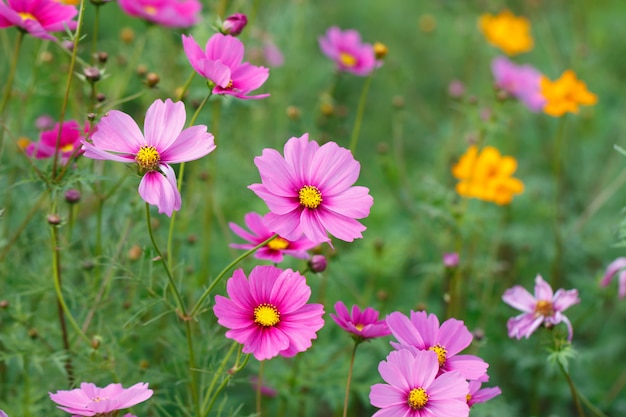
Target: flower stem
column 217, row 374
column 345, row 401
column 179, row 300
column 183, row 91
column 192, row 369
column 9, row 83
column 206, row 293
column 557, row 267
column 359, row 114
column 258, row 388
column 579, row 409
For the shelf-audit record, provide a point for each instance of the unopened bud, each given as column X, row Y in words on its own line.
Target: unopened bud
column 72, row 196
column 152, row 79
column 91, row 116
column 103, row 57
column 398, row 102
column 134, row 252
column 380, row 50
column 141, row 70
column 96, row 341
column 293, row 112
column 456, row 89
column 318, row 263
column 127, row 35
column 54, row 219
column 100, row 97
column 92, row 74
column 4, row 304
column 234, row 24
column 33, row 333
column 327, row 109
column 47, row 57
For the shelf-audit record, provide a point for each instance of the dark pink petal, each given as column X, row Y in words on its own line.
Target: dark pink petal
column 289, row 292
column 215, row 72
column 517, row 297
column 226, row 49
column 267, row 343
column 159, row 189
column 612, row 269
column 238, row 289
column 192, row 50
column 118, row 133
column 192, row 143
column 262, row 280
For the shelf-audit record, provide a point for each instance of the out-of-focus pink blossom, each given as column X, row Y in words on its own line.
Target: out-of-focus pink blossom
column 616, row 268
column 272, row 55
column 348, row 52
column 69, row 141
column 362, row 324
column 168, row 13
column 234, row 24
column 89, row 400
column 37, row 17
column 521, row 81
column 450, row 260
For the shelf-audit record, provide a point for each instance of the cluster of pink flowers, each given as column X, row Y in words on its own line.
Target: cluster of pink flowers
column 90, row 400
column 37, row 17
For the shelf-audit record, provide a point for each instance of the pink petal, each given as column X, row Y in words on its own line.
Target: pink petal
column 160, row 190
column 118, row 133
column 517, row 297
column 192, row 143
column 543, row 291
column 164, row 122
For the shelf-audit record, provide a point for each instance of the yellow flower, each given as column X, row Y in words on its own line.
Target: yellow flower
column 507, row 31
column 565, row 94
column 487, row 176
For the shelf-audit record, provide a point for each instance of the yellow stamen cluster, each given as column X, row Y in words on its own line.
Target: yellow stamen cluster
column 418, row 397
column 266, row 315
column 278, row 243
column 544, row 308
column 347, row 59
column 487, row 176
column 27, row 16
column 441, row 353
column 148, row 158
column 310, row 196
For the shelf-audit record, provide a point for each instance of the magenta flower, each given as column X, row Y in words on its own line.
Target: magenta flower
column 422, row 332
column 348, row 52
column 234, row 24
column 450, row 260
column 521, row 81
column 89, row 400
column 362, row 324
column 70, row 141
column 310, row 191
column 221, row 64
column 544, row 308
column 414, row 388
column 276, row 248
column 168, row 13
column 268, row 314
column 477, row 395
column 618, row 265
column 37, row 17
column 118, row 138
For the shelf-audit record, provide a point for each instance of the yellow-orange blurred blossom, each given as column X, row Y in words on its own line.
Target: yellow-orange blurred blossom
column 487, row 175
column 565, row 94
column 507, row 31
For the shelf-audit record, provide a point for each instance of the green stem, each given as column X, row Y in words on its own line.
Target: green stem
column 557, row 271
column 259, row 383
column 216, row 376
column 224, row 383
column 192, row 369
column 179, row 300
column 183, row 91
column 12, row 69
column 359, row 114
column 224, row 271
column 68, row 86
column 94, row 41
column 579, row 409
column 345, row 401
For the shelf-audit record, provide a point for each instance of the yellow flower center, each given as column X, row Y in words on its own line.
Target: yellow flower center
column 151, row 10
column 417, row 398
column 67, row 148
column 266, row 315
column 468, row 397
column 359, row 326
column 98, row 399
column 347, row 59
column 544, row 308
column 278, row 243
column 148, row 158
column 230, row 84
column 310, row 196
column 27, row 16
column 441, row 353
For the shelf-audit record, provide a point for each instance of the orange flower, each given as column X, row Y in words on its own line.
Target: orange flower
column 507, row 31
column 487, row 176
column 565, row 94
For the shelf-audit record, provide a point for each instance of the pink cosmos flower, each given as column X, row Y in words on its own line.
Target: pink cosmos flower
column 422, row 332
column 362, row 324
column 69, row 143
column 272, row 55
column 234, row 24
column 414, row 387
column 310, row 191
column 618, row 265
column 450, row 260
column 168, row 13
column 268, row 314
column 221, row 64
column 89, row 400
column 521, row 81
column 545, row 308
column 477, row 395
column 37, row 17
column 118, row 138
column 348, row 52
column 3, row 414
column 277, row 247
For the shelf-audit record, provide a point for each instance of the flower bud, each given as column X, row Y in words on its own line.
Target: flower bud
column 134, row 252
column 72, row 196
column 293, row 112
column 92, row 74
column 234, row 24
column 318, row 263
column 152, row 79
column 456, row 89
column 127, row 35
column 54, row 219
column 103, row 57
column 141, row 70
column 380, row 50
column 100, row 97
column 96, row 341
column 4, row 304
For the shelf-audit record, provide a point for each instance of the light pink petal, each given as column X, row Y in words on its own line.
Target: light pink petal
column 159, row 189
column 404, row 331
column 334, row 169
column 225, row 48
column 611, row 270
column 277, row 174
column 215, row 71
column 517, row 297
column 238, row 289
column 247, row 77
column 454, row 336
column 469, row 366
column 424, row 368
column 448, row 407
column 192, row 50
column 117, row 132
column 396, row 370
column 93, row 152
column 523, row 325
column 427, row 325
column 543, row 291
column 339, row 226
column 622, row 284
column 313, row 228
column 449, row 385
column 384, row 396
column 286, row 225
column 353, row 202
column 299, row 153
column 164, row 122
column 565, row 299
column 192, row 143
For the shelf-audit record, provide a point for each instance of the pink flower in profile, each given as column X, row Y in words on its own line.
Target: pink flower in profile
column 545, row 308
column 422, row 332
column 348, row 52
column 234, row 24
column 480, row 395
column 37, row 17
column 414, row 387
column 69, row 142
column 618, row 265
column 276, row 248
column 521, row 81
column 268, row 313
column 362, row 324
column 221, row 64
column 118, row 138
column 168, row 13
column 310, row 191
column 89, row 400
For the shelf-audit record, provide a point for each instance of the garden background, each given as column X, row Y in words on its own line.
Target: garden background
column 412, row 133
